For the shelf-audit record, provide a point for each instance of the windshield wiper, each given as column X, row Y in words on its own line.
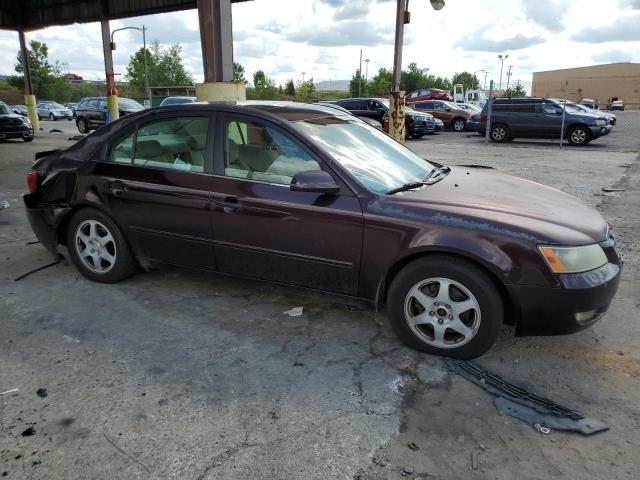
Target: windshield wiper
column 405, row 187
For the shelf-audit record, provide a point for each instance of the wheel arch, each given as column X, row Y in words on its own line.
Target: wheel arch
column 510, row 308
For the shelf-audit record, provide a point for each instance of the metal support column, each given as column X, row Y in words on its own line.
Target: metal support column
column 112, row 97
column 29, row 97
column 396, row 99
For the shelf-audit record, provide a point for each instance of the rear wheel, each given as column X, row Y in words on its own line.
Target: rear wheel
column 97, row 247
column 82, row 125
column 28, row 139
column 458, row 124
column 417, row 135
column 446, row 306
column 578, row 136
column 52, row 117
column 499, row 133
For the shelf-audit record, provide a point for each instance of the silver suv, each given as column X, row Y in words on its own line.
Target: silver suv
column 53, row 111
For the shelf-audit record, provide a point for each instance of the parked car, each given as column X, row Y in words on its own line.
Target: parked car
column 468, row 107
column 535, row 117
column 177, row 100
column 450, row 113
column 53, row 111
column 416, row 124
column 72, row 106
column 303, row 195
column 91, row 112
column 13, row 125
column 473, row 121
column 584, row 109
column 20, row 110
column 428, row 94
column 439, row 125
column 369, row 121
column 617, row 105
column 588, row 102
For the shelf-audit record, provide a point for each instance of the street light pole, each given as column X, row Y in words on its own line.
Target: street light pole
column 502, row 59
column 481, row 70
column 144, row 46
column 366, row 69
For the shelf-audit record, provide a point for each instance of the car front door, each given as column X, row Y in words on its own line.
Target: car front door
column 265, row 230
column 153, row 180
column 548, row 119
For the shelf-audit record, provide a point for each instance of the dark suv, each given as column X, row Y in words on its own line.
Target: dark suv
column 91, row 112
column 534, row 117
column 417, row 124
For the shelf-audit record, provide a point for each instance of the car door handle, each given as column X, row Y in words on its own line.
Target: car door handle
column 228, row 205
column 116, row 188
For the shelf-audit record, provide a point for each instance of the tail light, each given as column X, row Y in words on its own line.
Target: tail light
column 32, row 181
column 482, row 116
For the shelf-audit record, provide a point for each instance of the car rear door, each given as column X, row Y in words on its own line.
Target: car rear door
column 263, row 229
column 155, row 181
column 548, row 119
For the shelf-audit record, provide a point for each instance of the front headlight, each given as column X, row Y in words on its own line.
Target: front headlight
column 573, row 259
column 601, row 123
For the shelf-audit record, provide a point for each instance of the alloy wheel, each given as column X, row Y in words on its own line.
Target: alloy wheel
column 498, row 133
column 458, row 125
column 95, row 246
column 578, row 136
column 442, row 312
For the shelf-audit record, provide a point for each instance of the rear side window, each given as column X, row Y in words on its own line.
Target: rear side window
column 172, row 144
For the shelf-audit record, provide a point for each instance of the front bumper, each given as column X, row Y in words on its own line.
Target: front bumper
column 16, row 132
column 599, row 131
column 420, row 128
column 578, row 302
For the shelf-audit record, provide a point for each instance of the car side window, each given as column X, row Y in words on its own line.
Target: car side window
column 546, row 108
column 122, row 152
column 437, row 106
column 429, row 106
column 258, row 152
column 174, row 144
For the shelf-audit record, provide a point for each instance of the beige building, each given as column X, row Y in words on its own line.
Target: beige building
column 619, row 81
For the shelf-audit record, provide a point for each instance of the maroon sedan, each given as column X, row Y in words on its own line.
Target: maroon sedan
column 309, row 196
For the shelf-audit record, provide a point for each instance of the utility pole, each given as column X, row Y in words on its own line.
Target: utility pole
column 484, row 84
column 303, row 73
column 366, row 69
column 502, row 59
column 509, row 75
column 360, row 76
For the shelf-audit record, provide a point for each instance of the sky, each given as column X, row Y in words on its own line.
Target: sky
column 323, row 38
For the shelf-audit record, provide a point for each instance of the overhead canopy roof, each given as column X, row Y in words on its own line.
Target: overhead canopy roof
column 34, row 14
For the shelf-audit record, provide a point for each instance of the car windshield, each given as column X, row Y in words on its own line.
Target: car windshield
column 385, row 102
column 4, row 109
column 53, row 105
column 375, row 159
column 127, row 103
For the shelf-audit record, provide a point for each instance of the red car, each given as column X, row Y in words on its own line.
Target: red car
column 428, row 94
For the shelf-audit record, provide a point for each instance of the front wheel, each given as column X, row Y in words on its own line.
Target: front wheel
column 97, row 247
column 27, row 139
column 417, row 135
column 459, row 124
column 446, row 306
column 578, row 136
column 52, row 117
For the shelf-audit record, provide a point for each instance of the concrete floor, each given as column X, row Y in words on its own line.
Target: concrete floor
column 177, row 374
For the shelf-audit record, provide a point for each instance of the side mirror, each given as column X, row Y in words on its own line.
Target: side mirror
column 382, row 110
column 559, row 110
column 448, row 109
column 317, row 181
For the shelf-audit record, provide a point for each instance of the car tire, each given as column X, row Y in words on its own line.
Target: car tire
column 98, row 248
column 27, row 139
column 52, row 117
column 417, row 135
column 458, row 124
column 81, row 123
column 578, row 136
column 499, row 133
column 469, row 286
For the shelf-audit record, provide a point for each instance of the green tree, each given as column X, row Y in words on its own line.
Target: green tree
column 413, row 78
column 43, row 74
column 164, row 67
column 306, row 90
column 290, row 88
column 265, row 87
column 516, row 91
column 238, row 73
column 468, row 80
column 380, row 84
column 357, row 85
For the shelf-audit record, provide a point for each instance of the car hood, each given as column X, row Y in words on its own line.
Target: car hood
column 520, row 207
column 10, row 118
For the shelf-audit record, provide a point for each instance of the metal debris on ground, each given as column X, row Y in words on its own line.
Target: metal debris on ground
column 4, row 204
column 519, row 403
column 17, row 279
column 42, row 393
column 294, row 312
column 9, row 392
column 613, row 189
column 544, row 423
column 413, row 446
